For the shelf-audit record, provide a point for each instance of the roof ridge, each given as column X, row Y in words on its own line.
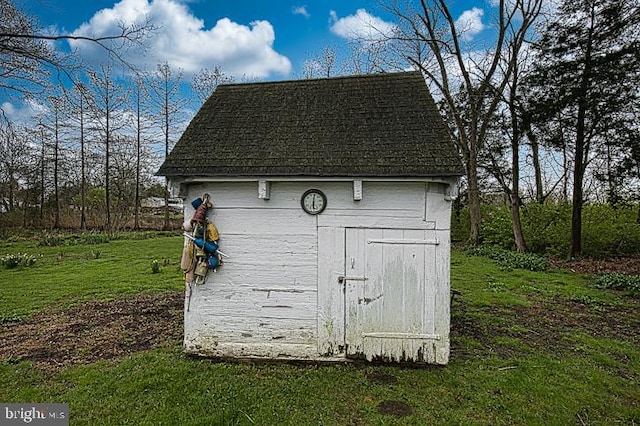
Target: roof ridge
column 333, row 78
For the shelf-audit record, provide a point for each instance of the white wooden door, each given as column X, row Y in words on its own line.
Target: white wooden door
column 391, row 282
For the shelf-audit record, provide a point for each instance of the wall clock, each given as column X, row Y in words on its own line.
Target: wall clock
column 313, row 201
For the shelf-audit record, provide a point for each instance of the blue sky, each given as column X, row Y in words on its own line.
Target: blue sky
column 259, row 39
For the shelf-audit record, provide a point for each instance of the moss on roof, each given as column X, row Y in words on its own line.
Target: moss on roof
column 374, row 125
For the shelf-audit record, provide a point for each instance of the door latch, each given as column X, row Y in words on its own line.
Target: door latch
column 342, row 279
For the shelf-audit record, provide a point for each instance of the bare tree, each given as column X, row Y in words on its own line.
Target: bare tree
column 78, row 116
column 108, row 98
column 434, row 42
column 206, row 81
column 165, row 90
column 142, row 123
column 10, row 155
column 57, row 105
column 28, row 59
column 323, row 65
column 17, row 173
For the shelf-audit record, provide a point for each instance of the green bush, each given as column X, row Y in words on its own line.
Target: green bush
column 95, row 238
column 155, row 266
column 618, row 281
column 608, row 231
column 460, row 224
column 547, row 228
column 144, row 235
column 11, row 261
column 496, row 229
column 51, row 241
column 508, row 259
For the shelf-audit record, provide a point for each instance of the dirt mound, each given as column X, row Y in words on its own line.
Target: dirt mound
column 96, row 330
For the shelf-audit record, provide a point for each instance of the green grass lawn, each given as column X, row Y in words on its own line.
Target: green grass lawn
column 72, row 273
column 539, row 348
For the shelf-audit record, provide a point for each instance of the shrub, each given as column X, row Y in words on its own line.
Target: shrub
column 95, row 238
column 51, row 241
column 606, row 231
column 11, row 261
column 460, row 224
column 618, row 281
column 496, row 229
column 508, row 259
column 547, row 228
column 155, row 266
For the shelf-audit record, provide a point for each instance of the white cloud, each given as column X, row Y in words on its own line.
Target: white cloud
column 301, row 10
column 183, row 41
column 469, row 24
column 23, row 112
column 362, row 26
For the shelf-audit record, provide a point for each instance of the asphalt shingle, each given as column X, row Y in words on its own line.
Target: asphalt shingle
column 375, row 125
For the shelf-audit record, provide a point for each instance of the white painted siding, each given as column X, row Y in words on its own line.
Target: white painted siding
column 280, row 294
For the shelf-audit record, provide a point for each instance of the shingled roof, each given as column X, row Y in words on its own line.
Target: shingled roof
column 383, row 125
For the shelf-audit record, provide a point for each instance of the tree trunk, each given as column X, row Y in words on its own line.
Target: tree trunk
column 537, row 170
column 56, row 162
column 474, row 200
column 516, row 136
column 83, row 178
column 166, row 154
column 107, row 166
column 580, row 150
column 136, row 221
column 578, row 177
column 42, row 180
column 518, row 237
column 521, row 245
column 576, row 213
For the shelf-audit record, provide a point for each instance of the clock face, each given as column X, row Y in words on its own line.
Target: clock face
column 313, row 201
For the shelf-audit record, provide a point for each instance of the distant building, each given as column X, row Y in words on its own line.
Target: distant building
column 175, row 203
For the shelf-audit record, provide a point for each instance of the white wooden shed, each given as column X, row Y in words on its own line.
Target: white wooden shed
column 360, row 271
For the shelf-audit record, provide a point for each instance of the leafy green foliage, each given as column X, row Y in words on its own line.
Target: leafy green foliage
column 496, row 229
column 606, row 231
column 16, row 260
column 509, row 260
column 610, row 231
column 547, row 228
column 92, row 238
column 618, row 281
column 51, row 241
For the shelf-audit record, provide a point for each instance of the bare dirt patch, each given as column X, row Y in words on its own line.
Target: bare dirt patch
column 544, row 326
column 380, row 378
column 622, row 264
column 395, row 408
column 96, row 330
